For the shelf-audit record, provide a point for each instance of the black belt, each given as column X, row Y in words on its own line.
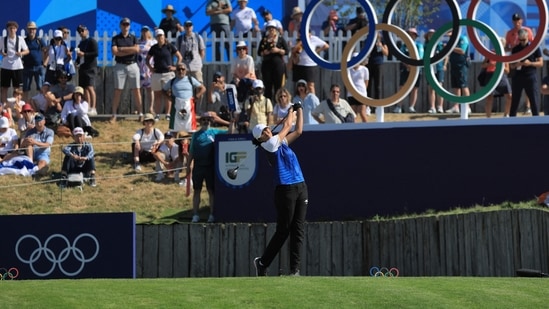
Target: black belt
column 126, row 62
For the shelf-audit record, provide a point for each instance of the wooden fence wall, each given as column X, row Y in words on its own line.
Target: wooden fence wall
column 477, row 244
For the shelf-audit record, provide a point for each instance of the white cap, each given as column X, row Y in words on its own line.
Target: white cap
column 4, row 123
column 257, row 130
column 77, row 130
column 158, row 32
column 270, row 23
column 258, row 83
column 241, row 44
column 58, row 34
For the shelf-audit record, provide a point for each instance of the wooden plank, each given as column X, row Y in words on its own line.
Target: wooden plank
column 227, row 250
column 243, row 262
column 386, row 234
column 310, row 264
column 165, row 251
column 197, row 249
column 373, row 245
column 503, row 246
column 150, row 250
column 258, row 245
column 181, row 245
column 419, row 260
column 468, row 222
column 324, row 250
column 139, row 250
column 396, row 246
column 271, row 228
column 430, row 247
column 482, row 239
column 526, row 240
column 337, row 249
column 352, row 248
column 212, row 257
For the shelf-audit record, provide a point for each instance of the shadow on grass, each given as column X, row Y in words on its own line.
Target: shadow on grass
column 114, row 159
column 175, row 216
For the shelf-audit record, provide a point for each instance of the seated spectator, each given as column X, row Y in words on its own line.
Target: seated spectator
column 9, row 141
column 309, row 101
column 79, row 157
column 282, row 105
column 334, row 109
column 15, row 104
column 146, row 142
column 218, row 101
column 39, row 102
column 5, row 111
column 258, row 107
column 167, row 158
column 75, row 113
column 61, row 92
column 37, row 144
column 27, row 121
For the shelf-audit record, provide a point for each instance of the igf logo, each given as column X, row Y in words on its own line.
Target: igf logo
column 235, row 157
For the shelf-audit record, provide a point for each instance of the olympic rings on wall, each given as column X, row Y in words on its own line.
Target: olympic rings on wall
column 538, row 39
column 368, row 44
column 11, row 273
column 384, row 272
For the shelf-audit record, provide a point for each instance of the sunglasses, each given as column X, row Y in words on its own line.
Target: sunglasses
column 241, row 48
column 125, row 24
column 181, row 69
column 65, row 32
column 335, row 91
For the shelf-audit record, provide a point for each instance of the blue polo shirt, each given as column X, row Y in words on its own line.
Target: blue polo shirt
column 34, row 57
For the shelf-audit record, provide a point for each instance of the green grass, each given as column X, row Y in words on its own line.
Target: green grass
column 278, row 292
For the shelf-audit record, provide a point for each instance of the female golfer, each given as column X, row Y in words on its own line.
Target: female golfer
column 290, row 196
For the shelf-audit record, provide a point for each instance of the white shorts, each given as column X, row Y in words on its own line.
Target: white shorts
column 160, row 79
column 129, row 72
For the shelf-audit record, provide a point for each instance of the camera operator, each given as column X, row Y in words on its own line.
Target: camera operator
column 218, row 101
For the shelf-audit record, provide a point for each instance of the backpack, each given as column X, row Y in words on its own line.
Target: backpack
column 154, row 132
column 17, row 46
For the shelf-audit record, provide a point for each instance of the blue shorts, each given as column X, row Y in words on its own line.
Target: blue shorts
column 41, row 156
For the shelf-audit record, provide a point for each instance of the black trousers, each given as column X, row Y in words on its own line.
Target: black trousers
column 374, row 85
column 291, row 207
column 530, row 84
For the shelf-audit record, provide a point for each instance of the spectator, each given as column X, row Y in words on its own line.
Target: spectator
column 201, row 159
column 170, row 24
column 167, row 158
column 526, row 76
column 243, row 65
column 75, row 113
column 303, row 67
column 218, row 101
column 162, row 54
column 334, row 109
column 86, row 54
column 9, row 141
column 192, row 49
column 58, row 54
column 79, row 157
column 459, row 71
column 125, row 49
column 243, row 20
column 181, row 89
column 295, row 23
column 332, row 25
column 273, row 48
column 258, row 107
column 39, row 102
column 13, row 48
column 359, row 76
column 309, row 101
column 26, row 122
column 440, row 69
column 358, row 22
column 267, row 17
column 405, row 73
column 33, row 68
column 282, row 106
column 503, row 88
column 37, row 144
column 16, row 103
column 545, row 92
column 145, row 42
column 374, row 65
column 219, row 11
column 62, row 90
column 146, row 142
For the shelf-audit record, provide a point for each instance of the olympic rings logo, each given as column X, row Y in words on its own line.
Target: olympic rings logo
column 11, row 273
column 384, row 272
column 429, row 57
column 62, row 256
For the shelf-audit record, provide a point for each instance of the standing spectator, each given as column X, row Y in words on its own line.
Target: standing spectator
column 145, row 42
column 440, row 69
column 13, row 48
column 79, row 157
column 459, row 71
column 58, row 54
column 145, row 142
column 374, row 65
column 219, row 11
column 33, row 68
column 545, row 93
column 258, row 107
column 405, row 72
column 332, row 24
column 334, row 109
column 303, row 67
column 192, row 49
column 170, row 24
column 291, row 195
column 9, row 141
column 273, row 48
column 125, row 49
column 243, row 20
column 503, row 88
column 283, row 105
column 162, row 54
column 267, row 17
column 243, row 65
column 183, row 89
column 27, row 121
column 75, row 113
column 202, row 161
column 295, row 23
column 309, row 101
column 87, row 53
column 167, row 157
column 526, row 75
column 37, row 143
column 218, row 103
column 359, row 77
column 358, row 22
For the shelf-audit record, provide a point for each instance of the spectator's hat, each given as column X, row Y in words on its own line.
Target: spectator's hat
column 148, row 116
column 46, row 84
column 188, row 23
column 4, row 123
column 217, row 75
column 431, row 30
column 169, row 135
column 296, row 11
column 81, row 28
column 125, row 20
column 360, row 11
column 145, row 28
column 516, row 16
column 39, row 117
column 257, row 130
column 77, row 131
column 158, row 32
column 79, row 89
column 168, row 8
column 58, row 34
column 241, row 44
column 27, row 108
column 301, row 81
column 258, row 83
column 270, row 24
column 412, row 30
column 265, row 12
column 31, row 25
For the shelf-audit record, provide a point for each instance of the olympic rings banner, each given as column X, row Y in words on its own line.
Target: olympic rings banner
column 366, row 37
column 68, row 246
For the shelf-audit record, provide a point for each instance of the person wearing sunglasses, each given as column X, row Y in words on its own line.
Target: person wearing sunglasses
column 86, row 54
column 58, row 54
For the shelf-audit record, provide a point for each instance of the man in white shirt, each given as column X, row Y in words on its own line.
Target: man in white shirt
column 244, row 20
column 13, row 48
column 340, row 111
